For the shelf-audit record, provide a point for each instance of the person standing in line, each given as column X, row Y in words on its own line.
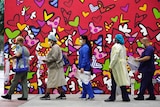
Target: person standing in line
column 147, row 68
column 22, row 75
column 84, row 65
column 118, row 69
column 56, row 77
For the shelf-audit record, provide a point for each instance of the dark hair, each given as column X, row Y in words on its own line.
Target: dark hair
column 84, row 37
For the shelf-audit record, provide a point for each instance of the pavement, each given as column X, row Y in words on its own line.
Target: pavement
column 72, row 100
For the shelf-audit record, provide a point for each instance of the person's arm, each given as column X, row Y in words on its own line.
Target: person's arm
column 84, row 58
column 147, row 55
column 114, row 58
column 53, row 55
column 17, row 54
column 143, row 59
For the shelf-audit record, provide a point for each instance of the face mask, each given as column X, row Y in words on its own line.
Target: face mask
column 81, row 42
column 50, row 43
column 143, row 46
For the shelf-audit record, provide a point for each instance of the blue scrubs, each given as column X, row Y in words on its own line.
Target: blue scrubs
column 84, row 62
column 147, row 69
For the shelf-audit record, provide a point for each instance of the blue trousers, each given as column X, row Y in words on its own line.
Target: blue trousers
column 87, row 89
column 146, row 83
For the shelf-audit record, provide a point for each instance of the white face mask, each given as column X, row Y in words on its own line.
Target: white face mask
column 143, row 46
column 50, row 43
column 81, row 42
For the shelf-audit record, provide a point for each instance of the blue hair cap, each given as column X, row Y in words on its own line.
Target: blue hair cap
column 120, row 39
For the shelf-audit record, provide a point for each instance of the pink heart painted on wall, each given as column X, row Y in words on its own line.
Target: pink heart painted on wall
column 39, row 3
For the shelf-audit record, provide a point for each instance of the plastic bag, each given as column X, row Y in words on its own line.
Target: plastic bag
column 85, row 77
column 7, row 69
column 132, row 63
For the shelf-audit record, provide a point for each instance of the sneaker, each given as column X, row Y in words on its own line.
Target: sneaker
column 61, row 97
column 6, row 97
column 22, row 98
column 45, row 97
column 151, row 98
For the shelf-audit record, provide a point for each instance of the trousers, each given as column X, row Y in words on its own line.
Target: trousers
column 87, row 89
column 113, row 90
column 146, row 83
column 23, row 80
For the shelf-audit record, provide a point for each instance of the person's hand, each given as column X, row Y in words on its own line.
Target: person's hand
column 81, row 70
column 44, row 60
column 110, row 70
column 137, row 59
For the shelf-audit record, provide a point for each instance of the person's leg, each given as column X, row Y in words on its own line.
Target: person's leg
column 61, row 92
column 125, row 96
column 84, row 91
column 90, row 91
column 144, row 85
column 47, row 95
column 13, row 86
column 113, row 90
column 150, row 87
column 24, row 87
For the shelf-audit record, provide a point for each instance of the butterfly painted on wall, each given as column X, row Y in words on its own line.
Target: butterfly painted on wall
column 106, row 8
column 19, row 2
column 131, row 38
column 139, row 19
column 66, row 15
column 108, row 26
column 98, row 54
column 14, row 21
column 94, row 29
column 153, row 34
column 143, row 30
column 95, row 64
column 54, row 24
column 35, row 31
column 53, row 3
column 31, row 42
column 99, row 40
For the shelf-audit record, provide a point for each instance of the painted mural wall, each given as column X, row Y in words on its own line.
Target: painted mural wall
column 100, row 20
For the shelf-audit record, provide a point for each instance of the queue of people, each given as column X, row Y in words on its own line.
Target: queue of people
column 117, row 68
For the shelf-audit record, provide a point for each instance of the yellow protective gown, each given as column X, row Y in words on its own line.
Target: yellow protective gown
column 118, row 64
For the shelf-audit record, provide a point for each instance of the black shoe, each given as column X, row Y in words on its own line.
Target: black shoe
column 151, row 98
column 45, row 97
column 61, row 97
column 6, row 97
column 139, row 98
column 91, row 99
column 126, row 100
column 82, row 98
column 109, row 100
column 22, row 98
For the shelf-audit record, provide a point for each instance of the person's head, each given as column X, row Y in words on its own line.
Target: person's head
column 145, row 41
column 119, row 39
column 52, row 39
column 19, row 40
column 84, row 40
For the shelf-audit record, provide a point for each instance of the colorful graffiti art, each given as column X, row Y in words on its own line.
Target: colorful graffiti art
column 100, row 20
